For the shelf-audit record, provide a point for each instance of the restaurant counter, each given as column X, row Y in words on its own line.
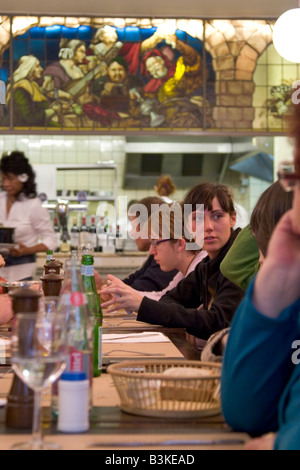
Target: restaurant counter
column 117, row 264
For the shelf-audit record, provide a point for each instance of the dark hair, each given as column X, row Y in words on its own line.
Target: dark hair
column 204, row 193
column 148, row 202
column 17, row 164
column 170, row 222
column 165, row 186
column 131, row 202
column 269, row 209
column 121, row 61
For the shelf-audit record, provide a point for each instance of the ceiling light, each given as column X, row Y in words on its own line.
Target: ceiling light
column 286, row 35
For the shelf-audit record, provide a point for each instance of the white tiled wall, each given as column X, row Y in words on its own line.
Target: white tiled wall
column 256, row 188
column 90, row 149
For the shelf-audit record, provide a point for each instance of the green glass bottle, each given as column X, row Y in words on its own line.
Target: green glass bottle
column 49, row 255
column 88, row 277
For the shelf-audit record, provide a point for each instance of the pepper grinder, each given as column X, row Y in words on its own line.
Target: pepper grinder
column 54, row 266
column 51, row 284
column 19, row 409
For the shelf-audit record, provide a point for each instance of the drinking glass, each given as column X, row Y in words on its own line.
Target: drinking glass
column 39, row 356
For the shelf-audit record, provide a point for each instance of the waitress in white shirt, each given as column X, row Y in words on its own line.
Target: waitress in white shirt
column 21, row 209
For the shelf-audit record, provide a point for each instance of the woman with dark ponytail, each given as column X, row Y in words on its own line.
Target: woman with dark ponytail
column 21, row 209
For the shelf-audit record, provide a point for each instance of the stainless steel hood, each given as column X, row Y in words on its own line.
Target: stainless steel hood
column 190, row 160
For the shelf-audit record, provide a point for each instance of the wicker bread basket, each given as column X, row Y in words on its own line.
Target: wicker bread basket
column 168, row 388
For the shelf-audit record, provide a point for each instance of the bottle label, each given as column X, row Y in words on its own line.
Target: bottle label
column 76, row 361
column 102, row 238
column 83, row 238
column 75, row 298
column 93, row 240
column 87, row 270
column 119, row 244
column 80, row 361
column 74, row 238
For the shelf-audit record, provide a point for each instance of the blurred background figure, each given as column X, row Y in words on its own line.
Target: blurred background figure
column 165, row 187
column 21, row 209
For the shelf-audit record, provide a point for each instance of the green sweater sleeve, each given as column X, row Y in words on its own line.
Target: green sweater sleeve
column 242, row 260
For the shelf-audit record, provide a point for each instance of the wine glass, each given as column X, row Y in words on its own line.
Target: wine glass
column 39, row 356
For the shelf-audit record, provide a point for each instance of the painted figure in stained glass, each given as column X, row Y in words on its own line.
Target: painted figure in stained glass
column 71, row 76
column 105, row 45
column 113, row 94
column 31, row 107
column 113, row 79
column 180, row 96
column 70, row 70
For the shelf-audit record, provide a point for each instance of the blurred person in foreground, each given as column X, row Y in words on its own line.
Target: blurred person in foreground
column 260, row 385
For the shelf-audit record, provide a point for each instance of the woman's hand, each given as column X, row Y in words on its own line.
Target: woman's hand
column 124, row 296
column 99, row 281
column 2, row 261
column 19, row 250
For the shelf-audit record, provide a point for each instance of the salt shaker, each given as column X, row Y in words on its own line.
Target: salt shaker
column 73, row 402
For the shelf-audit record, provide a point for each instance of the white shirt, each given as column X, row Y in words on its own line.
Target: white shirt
column 166, row 199
column 32, row 225
column 242, row 216
column 156, row 295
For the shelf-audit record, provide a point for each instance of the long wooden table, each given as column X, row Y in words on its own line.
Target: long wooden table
column 113, row 429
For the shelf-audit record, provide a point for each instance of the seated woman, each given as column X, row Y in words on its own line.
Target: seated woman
column 249, row 251
column 205, row 286
column 261, row 374
column 172, row 255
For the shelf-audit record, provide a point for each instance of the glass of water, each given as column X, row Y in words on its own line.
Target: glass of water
column 39, row 356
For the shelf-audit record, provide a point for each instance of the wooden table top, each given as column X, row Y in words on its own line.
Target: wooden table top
column 111, row 428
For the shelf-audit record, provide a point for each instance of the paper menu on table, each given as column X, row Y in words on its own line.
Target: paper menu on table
column 144, row 337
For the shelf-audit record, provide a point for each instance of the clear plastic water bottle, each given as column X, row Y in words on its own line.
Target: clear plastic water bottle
column 73, row 303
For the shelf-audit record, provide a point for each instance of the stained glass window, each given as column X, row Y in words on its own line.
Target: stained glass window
column 143, row 75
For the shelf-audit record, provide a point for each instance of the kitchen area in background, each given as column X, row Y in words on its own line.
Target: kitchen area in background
column 94, row 173
column 52, row 152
